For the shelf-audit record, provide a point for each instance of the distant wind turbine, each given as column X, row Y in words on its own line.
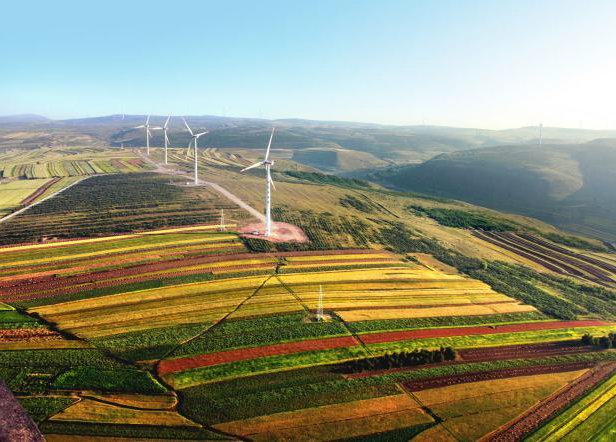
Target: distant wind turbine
column 164, row 129
column 194, row 139
column 268, row 182
column 541, row 134
column 147, row 133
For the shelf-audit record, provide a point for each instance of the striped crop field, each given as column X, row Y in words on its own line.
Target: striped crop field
column 555, row 258
column 14, row 193
column 148, row 321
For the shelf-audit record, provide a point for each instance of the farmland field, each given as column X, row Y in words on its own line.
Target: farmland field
column 126, row 311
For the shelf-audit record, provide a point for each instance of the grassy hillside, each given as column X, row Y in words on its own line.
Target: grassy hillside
column 567, row 185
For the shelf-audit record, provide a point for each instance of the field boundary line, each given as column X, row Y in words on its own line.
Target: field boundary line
column 11, row 215
column 208, row 328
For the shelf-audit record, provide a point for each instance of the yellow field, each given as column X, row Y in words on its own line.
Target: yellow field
column 333, row 421
column 87, row 410
column 472, row 410
column 151, row 402
column 13, row 192
column 210, row 301
column 471, row 310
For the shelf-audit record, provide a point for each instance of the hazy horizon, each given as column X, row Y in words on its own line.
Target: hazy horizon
column 475, row 65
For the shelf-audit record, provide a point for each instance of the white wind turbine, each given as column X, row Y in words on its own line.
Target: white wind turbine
column 147, row 133
column 268, row 182
column 164, row 129
column 194, row 139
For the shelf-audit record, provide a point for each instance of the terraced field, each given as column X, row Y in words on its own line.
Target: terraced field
column 126, row 313
column 66, row 162
column 554, row 257
column 191, row 312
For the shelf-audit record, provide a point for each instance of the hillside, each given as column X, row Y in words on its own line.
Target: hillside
column 331, row 145
column 569, row 185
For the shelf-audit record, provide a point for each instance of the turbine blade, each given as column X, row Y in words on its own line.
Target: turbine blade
column 252, row 167
column 202, row 133
column 272, row 182
column 167, row 122
column 155, row 128
column 167, row 138
column 139, row 127
column 148, row 120
column 187, row 126
column 269, row 144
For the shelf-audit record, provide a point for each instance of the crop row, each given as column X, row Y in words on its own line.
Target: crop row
column 532, row 418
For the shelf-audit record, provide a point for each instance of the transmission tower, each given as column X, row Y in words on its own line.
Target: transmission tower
column 320, row 316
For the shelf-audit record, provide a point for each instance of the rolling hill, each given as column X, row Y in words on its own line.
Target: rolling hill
column 569, row 185
column 335, row 146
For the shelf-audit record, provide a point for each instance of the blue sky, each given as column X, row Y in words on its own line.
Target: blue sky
column 491, row 64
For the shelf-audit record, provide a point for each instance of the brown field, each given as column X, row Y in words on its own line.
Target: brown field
column 470, row 411
column 87, row 410
column 333, row 421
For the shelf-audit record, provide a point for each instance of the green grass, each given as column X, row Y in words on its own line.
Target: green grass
column 15, row 319
column 118, row 380
column 450, row 321
column 57, row 358
column 463, row 219
column 148, row 344
column 40, row 408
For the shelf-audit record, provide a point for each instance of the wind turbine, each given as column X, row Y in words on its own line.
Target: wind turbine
column 164, row 129
column 147, row 133
column 268, row 182
column 541, row 134
column 195, row 137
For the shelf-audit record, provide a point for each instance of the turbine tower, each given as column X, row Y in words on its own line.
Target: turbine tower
column 164, row 129
column 147, row 133
column 268, row 182
column 194, row 139
column 541, row 134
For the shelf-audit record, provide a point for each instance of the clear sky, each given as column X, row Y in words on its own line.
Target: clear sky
column 493, row 64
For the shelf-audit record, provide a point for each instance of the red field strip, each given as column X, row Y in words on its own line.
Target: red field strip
column 38, row 192
column 528, row 421
column 181, row 364
column 377, row 338
column 186, row 363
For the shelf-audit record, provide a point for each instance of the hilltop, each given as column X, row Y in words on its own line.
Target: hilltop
column 569, row 185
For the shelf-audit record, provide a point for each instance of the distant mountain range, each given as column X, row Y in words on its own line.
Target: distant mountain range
column 334, row 146
column 570, row 185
